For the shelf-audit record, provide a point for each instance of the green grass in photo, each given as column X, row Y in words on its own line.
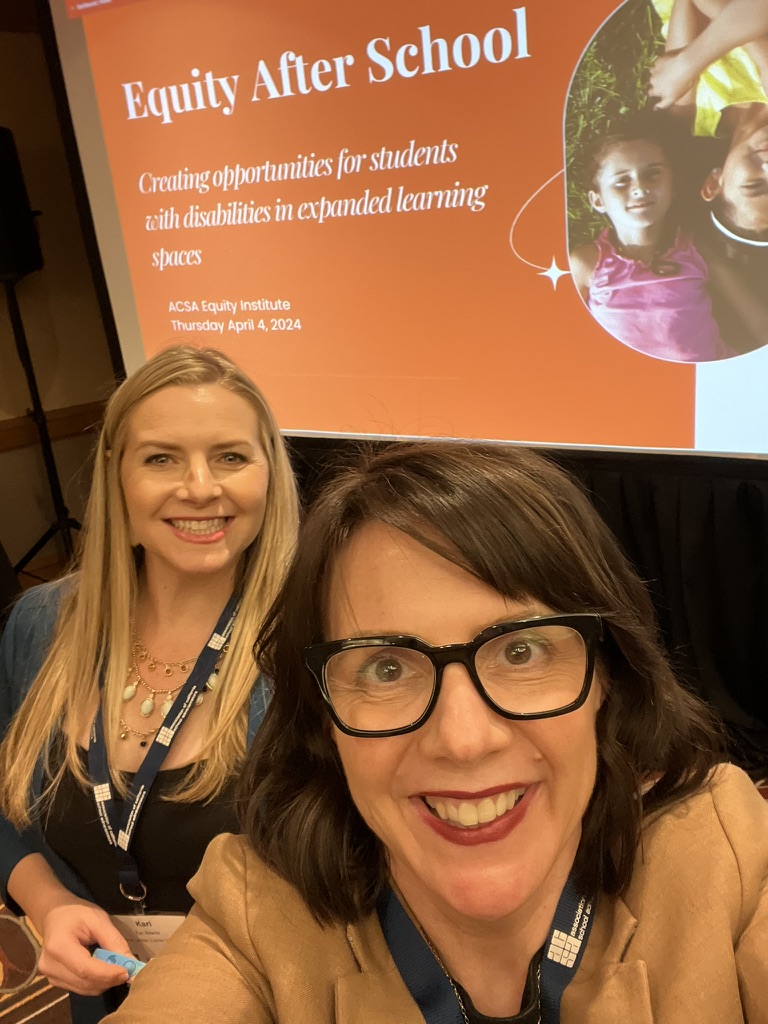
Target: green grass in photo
column 610, row 85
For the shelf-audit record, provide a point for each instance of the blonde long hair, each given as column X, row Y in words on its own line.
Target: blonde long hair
column 92, row 636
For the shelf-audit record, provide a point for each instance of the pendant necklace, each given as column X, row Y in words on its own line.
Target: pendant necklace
column 147, row 708
column 140, row 654
column 127, row 730
column 658, row 265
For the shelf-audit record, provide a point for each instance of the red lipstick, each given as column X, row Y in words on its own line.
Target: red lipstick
column 477, row 835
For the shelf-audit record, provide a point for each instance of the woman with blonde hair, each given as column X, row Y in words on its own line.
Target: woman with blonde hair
column 128, row 691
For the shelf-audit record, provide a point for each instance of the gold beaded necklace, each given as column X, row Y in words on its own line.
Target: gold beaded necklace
column 140, row 654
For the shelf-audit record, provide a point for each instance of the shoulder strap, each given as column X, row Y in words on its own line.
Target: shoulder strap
column 604, row 245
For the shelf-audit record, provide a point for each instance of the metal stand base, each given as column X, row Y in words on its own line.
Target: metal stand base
column 63, row 523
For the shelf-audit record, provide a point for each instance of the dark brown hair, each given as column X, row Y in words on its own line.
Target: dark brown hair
column 602, row 148
column 645, row 126
column 520, row 525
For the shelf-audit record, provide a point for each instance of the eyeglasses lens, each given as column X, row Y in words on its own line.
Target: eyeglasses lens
column 378, row 688
column 530, row 671
column 533, row 671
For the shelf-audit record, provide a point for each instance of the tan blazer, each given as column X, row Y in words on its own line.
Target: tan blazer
column 687, row 945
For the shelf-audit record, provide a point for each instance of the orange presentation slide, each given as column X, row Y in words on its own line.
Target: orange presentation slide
column 425, row 218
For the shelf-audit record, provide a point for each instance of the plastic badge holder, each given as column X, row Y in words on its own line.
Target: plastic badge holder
column 131, row 964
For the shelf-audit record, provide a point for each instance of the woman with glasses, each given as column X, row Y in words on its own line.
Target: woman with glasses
column 479, row 794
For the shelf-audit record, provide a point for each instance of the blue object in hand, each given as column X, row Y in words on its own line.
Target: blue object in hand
column 131, row 964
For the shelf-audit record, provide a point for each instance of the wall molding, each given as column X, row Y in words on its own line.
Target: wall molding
column 70, row 421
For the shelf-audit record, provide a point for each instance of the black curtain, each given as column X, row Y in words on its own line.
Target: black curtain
column 696, row 529
column 697, row 532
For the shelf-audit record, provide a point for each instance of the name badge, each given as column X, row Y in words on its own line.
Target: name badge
column 146, row 934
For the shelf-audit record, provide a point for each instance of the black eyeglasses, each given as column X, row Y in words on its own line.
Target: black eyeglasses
column 389, row 685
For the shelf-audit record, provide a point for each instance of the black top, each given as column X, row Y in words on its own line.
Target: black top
column 168, row 844
column 529, row 1008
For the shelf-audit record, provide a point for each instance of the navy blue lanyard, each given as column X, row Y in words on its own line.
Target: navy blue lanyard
column 432, row 990
column 120, row 833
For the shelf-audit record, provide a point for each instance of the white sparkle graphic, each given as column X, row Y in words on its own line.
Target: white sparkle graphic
column 554, row 273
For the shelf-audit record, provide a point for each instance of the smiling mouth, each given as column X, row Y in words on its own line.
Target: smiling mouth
column 200, row 527
column 474, row 813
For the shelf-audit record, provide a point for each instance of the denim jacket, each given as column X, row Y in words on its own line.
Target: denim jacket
column 23, row 647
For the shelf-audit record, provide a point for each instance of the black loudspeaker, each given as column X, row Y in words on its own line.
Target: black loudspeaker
column 19, row 243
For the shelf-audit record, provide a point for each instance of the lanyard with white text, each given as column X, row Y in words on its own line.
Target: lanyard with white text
column 432, row 990
column 119, row 834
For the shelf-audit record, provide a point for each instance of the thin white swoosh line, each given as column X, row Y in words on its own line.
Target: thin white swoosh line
column 521, row 211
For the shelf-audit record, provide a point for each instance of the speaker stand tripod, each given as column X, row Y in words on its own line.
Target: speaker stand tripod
column 63, row 522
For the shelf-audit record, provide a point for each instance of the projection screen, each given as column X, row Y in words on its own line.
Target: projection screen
column 434, row 218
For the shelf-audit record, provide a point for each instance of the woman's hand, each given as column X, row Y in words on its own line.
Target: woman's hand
column 68, row 929
column 68, row 926
column 672, row 77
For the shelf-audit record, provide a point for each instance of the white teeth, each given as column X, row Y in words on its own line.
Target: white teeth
column 467, row 814
column 471, row 813
column 199, row 526
column 487, row 811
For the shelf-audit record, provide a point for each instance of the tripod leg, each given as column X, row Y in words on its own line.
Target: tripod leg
column 64, row 522
column 49, row 534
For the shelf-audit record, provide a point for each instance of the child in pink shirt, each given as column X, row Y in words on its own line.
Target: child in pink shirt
column 643, row 279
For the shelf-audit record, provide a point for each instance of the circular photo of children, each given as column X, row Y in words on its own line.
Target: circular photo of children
column 667, row 173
